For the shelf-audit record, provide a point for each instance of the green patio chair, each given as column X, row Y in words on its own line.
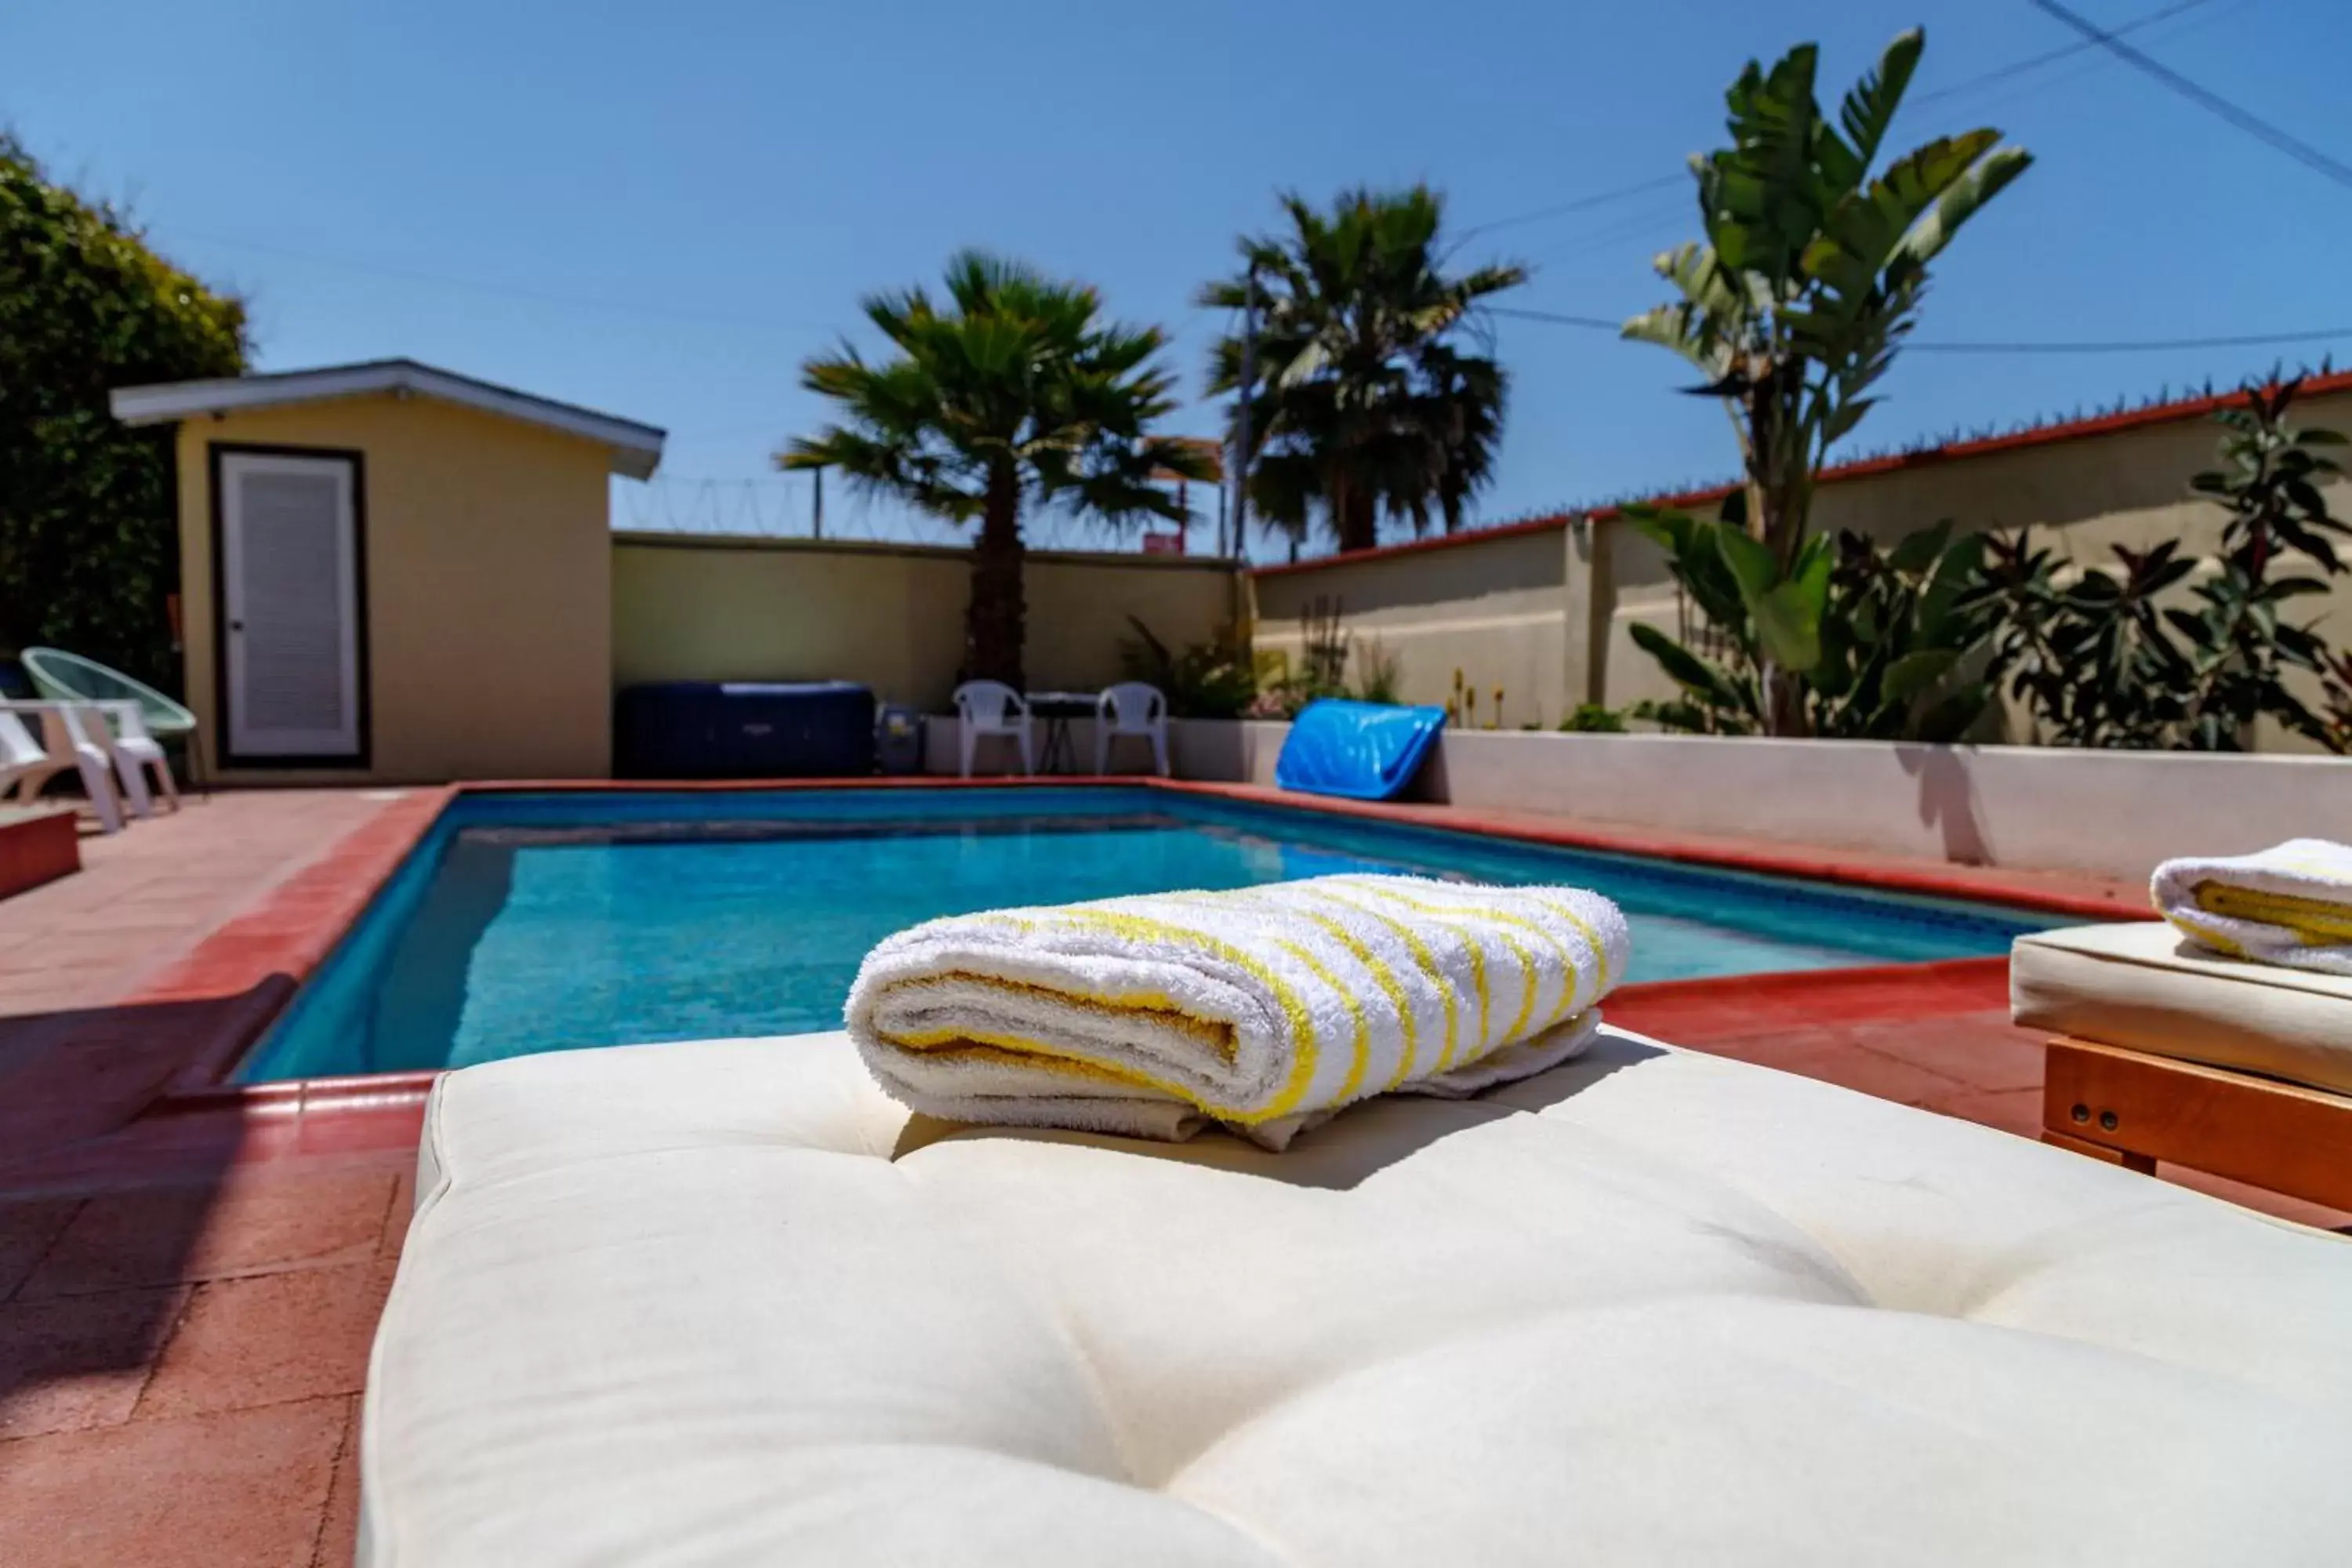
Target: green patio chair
column 63, row 677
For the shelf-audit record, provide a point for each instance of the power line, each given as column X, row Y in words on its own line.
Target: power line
column 2085, row 346
column 1578, row 205
column 2213, row 103
column 1597, row 323
column 2051, row 56
column 1638, row 226
column 479, row 286
column 1999, row 74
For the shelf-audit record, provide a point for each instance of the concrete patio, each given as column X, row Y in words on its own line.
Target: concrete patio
column 187, row 1298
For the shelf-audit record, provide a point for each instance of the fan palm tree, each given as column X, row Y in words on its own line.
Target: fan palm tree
column 1364, row 403
column 1016, row 394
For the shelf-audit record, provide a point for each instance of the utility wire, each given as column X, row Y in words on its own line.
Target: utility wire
column 1643, row 225
column 1579, row 204
column 481, row 286
column 2051, row 56
column 1596, row 323
column 2095, row 38
column 2086, row 346
column 1663, row 181
column 2213, row 103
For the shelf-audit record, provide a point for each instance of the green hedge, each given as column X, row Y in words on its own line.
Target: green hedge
column 87, row 550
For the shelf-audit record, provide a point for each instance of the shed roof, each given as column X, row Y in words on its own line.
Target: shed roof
column 636, row 449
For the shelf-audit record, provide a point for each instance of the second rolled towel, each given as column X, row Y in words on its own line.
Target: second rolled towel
column 2289, row 905
column 1265, row 1009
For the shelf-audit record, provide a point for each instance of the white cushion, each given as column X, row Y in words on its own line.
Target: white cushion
column 725, row 1303
column 2145, row 988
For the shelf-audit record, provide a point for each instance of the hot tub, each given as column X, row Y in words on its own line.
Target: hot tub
column 744, row 729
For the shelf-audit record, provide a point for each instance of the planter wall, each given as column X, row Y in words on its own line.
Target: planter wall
column 1211, row 757
column 2112, row 812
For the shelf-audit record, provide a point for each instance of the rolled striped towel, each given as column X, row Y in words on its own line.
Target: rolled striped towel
column 2289, row 905
column 1265, row 1009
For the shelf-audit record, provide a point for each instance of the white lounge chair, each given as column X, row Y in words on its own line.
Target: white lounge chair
column 1132, row 707
column 78, row 722
column 985, row 707
column 26, row 765
column 136, row 750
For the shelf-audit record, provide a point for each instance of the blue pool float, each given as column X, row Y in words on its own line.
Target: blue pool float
column 1364, row 751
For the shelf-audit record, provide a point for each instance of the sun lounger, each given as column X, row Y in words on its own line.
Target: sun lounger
column 728, row 1303
column 2167, row 1050
column 73, row 740
column 137, row 754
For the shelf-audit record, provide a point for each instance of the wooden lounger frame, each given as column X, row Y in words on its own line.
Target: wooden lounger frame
column 2135, row 1110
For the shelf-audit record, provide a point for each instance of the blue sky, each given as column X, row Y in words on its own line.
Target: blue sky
column 660, row 210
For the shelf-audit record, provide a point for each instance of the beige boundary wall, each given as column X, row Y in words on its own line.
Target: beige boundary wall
column 1495, row 607
column 708, row 607
column 1544, row 609
column 2114, row 813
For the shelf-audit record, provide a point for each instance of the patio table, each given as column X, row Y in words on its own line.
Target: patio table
column 1056, row 708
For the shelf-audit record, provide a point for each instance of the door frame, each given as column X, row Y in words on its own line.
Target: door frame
column 223, row 698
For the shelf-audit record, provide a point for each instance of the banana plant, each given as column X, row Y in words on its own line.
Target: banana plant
column 1795, row 303
column 1878, row 643
column 1906, row 650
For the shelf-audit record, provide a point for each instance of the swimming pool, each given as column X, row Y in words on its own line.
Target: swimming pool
column 536, row 923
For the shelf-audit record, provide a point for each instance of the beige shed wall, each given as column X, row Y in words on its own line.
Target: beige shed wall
column 489, row 592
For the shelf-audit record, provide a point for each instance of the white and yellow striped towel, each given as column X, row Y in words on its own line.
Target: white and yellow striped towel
column 2289, row 905
column 1265, row 1009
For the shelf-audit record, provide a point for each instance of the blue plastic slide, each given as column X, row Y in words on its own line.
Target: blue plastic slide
column 1365, row 751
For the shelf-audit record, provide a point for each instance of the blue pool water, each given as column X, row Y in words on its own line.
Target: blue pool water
column 527, row 923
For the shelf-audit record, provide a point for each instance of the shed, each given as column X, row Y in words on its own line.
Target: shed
column 394, row 573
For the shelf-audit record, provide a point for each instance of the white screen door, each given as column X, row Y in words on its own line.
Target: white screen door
column 290, row 611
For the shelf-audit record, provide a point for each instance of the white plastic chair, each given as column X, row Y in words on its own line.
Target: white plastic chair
column 68, row 726
column 985, row 707
column 134, row 748
column 26, row 765
column 1131, row 707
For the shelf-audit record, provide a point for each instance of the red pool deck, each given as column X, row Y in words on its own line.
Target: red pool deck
column 189, row 1283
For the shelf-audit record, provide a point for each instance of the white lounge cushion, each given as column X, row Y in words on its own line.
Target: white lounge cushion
column 2145, row 988
column 725, row 1303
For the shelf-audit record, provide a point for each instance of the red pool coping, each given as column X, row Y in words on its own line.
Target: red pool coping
column 1871, row 993
column 253, row 964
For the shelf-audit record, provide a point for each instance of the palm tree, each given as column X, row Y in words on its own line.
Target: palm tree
column 1019, row 394
column 1363, row 402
